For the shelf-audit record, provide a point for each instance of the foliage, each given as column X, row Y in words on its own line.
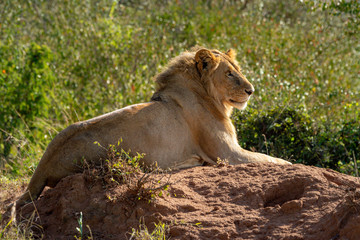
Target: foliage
column 286, row 132
column 292, row 134
column 349, row 138
column 24, row 91
column 65, row 61
column 160, row 232
column 120, row 167
column 348, row 10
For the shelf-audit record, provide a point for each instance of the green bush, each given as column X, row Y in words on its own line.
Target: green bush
column 285, row 133
column 293, row 135
column 349, row 138
column 25, row 85
column 348, row 10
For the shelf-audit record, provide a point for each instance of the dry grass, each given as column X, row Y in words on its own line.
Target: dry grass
column 145, row 182
column 160, row 232
column 21, row 228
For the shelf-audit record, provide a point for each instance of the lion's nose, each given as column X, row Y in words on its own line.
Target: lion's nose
column 249, row 91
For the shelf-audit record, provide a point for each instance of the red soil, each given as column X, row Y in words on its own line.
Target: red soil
column 248, row 201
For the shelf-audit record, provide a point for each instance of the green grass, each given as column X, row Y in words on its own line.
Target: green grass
column 61, row 62
column 160, row 232
column 120, row 167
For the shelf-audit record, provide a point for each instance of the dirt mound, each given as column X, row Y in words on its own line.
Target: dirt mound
column 248, row 201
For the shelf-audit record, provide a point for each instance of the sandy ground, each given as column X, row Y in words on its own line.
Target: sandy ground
column 248, row 201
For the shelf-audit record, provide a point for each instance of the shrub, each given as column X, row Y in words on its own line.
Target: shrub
column 293, row 135
column 349, row 138
column 285, row 133
column 25, row 85
column 144, row 182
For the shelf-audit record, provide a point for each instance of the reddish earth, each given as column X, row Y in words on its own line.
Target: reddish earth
column 248, row 201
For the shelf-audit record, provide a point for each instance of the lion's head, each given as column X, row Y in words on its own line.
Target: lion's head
column 214, row 75
column 223, row 77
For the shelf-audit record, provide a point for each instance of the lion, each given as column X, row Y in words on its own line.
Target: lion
column 187, row 123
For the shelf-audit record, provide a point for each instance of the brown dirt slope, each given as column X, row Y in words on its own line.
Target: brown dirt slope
column 248, row 201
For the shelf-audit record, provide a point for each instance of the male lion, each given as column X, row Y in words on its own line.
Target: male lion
column 186, row 123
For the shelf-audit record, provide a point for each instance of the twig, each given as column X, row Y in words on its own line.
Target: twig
column 355, row 165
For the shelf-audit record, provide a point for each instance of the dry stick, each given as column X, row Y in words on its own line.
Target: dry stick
column 266, row 145
column 91, row 236
column 36, row 210
column 355, row 165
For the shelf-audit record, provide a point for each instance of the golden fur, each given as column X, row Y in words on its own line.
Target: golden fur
column 187, row 123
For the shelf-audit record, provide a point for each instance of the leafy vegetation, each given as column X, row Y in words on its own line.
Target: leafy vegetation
column 160, row 232
column 293, row 135
column 24, row 89
column 143, row 182
column 61, row 62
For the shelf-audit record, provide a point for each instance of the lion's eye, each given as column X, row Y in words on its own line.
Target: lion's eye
column 229, row 74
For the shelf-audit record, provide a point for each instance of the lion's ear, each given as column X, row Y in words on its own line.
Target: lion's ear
column 231, row 53
column 205, row 60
